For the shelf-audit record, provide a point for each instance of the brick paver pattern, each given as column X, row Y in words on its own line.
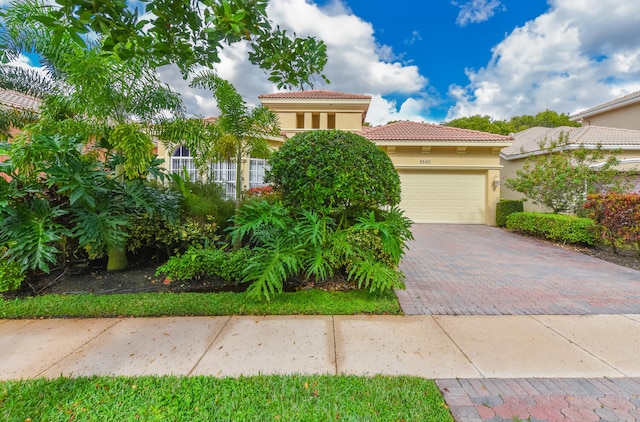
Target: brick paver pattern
column 494, row 400
column 481, row 270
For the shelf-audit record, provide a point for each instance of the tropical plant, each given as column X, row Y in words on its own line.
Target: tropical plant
column 334, row 172
column 61, row 201
column 88, row 96
column 312, row 246
column 187, row 34
column 560, row 177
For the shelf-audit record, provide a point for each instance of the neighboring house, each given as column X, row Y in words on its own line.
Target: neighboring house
column 527, row 143
column 623, row 113
column 16, row 100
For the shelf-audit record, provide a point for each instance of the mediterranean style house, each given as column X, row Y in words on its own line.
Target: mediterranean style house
column 448, row 175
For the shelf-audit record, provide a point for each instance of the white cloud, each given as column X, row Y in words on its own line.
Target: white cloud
column 382, row 111
column 475, row 11
column 578, row 54
column 357, row 63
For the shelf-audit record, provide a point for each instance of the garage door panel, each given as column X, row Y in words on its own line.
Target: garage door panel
column 444, row 196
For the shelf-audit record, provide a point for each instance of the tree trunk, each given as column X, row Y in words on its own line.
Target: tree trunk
column 117, row 259
column 237, row 244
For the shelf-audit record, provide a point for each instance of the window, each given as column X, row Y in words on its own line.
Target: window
column 315, row 121
column 299, row 120
column 224, row 174
column 331, row 121
column 257, row 168
column 182, row 161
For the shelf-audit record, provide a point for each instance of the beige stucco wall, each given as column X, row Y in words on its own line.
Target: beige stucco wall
column 623, row 118
column 445, row 156
column 483, row 159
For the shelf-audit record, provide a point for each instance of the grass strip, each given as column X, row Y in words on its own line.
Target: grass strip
column 306, row 302
column 259, row 398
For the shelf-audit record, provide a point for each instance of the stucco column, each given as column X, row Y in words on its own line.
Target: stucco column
column 493, row 195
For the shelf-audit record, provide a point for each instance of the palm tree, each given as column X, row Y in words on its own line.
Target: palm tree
column 87, row 93
column 241, row 131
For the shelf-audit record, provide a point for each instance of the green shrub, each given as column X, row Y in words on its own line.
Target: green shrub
column 505, row 208
column 11, row 275
column 170, row 239
column 210, row 262
column 330, row 171
column 564, row 228
column 617, row 217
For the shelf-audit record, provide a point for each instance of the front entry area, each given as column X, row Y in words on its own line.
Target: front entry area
column 444, row 196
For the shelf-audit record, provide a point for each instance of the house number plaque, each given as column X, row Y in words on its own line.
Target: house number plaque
column 425, row 161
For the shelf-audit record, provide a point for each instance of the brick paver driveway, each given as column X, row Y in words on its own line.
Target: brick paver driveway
column 480, row 270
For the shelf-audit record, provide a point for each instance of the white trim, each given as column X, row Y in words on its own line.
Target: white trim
column 570, row 147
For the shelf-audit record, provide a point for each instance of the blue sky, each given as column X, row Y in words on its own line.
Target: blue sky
column 441, row 59
column 443, row 38
column 435, row 60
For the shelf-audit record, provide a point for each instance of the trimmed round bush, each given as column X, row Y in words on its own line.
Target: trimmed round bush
column 330, row 171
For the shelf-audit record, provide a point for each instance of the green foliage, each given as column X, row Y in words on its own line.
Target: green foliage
column 62, row 203
column 166, row 239
column 516, row 124
column 563, row 228
column 134, row 144
column 203, row 201
column 505, row 208
column 207, row 262
column 330, row 171
column 617, row 217
column 312, row 246
column 11, row 275
column 302, row 302
column 561, row 177
column 308, row 398
column 392, row 227
column 188, row 35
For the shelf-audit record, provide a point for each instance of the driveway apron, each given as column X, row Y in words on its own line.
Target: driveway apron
column 481, row 270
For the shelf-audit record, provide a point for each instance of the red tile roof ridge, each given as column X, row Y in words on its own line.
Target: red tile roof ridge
column 422, row 131
column 318, row 94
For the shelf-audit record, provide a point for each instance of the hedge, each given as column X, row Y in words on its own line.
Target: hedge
column 505, row 208
column 563, row 228
column 617, row 218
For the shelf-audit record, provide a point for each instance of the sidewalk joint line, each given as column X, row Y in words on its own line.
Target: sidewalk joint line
column 210, row 345
column 335, row 346
column 118, row 320
column 456, row 344
column 576, row 344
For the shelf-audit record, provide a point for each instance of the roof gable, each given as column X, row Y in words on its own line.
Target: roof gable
column 315, row 95
column 624, row 101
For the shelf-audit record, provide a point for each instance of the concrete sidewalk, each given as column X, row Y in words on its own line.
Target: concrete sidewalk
column 437, row 347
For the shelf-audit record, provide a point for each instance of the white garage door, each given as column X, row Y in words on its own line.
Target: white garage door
column 444, row 196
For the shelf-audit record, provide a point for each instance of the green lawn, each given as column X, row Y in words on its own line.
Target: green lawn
column 306, row 302
column 261, row 398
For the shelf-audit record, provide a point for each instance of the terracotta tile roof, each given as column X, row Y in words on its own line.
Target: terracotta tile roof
column 628, row 99
column 13, row 99
column 415, row 131
column 528, row 141
column 315, row 95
